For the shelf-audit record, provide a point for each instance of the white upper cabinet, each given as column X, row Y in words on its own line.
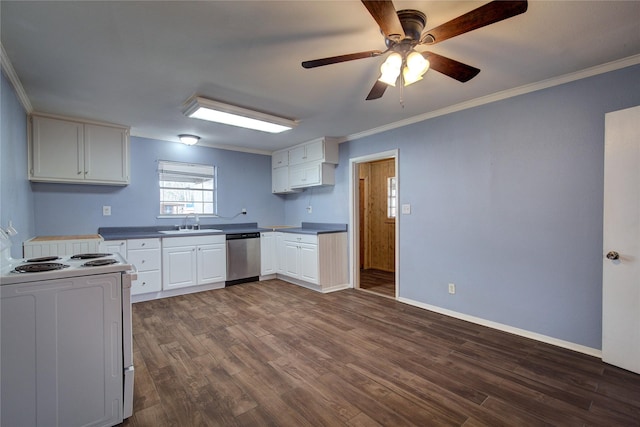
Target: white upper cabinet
column 324, row 150
column 305, row 165
column 73, row 151
column 280, row 159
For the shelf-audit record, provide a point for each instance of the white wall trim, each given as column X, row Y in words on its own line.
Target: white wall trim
column 506, row 328
column 499, row 96
column 10, row 72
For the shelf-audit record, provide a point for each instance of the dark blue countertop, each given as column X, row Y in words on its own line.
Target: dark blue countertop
column 125, row 233
column 316, row 228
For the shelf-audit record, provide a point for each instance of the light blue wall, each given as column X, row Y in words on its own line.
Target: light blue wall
column 506, row 203
column 243, row 181
column 16, row 201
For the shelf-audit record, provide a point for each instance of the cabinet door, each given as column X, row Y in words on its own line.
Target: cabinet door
column 267, row 253
column 280, row 180
column 280, row 253
column 279, row 159
column 106, row 154
column 314, row 151
column 291, row 259
column 57, row 149
column 178, row 267
column 212, row 263
column 297, row 155
column 305, row 175
column 309, row 262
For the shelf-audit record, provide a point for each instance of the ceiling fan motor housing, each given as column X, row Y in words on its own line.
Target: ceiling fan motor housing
column 413, row 22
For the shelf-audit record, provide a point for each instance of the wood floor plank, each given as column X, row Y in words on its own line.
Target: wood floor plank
column 274, row 354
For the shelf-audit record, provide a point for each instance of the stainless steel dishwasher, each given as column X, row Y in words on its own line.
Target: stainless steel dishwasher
column 243, row 258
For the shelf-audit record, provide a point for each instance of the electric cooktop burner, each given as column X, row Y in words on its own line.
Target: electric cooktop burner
column 89, row 256
column 44, row 259
column 99, row 262
column 37, row 268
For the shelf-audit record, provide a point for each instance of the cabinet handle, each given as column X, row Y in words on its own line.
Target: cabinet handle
column 144, row 283
column 142, row 261
column 86, row 172
column 143, row 244
column 121, row 243
column 79, row 172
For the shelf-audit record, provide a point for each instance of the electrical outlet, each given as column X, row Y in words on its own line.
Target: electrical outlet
column 106, row 211
column 406, row 209
column 452, row 288
column 309, row 209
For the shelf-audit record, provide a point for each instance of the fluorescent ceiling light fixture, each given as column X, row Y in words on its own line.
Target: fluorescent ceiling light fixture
column 214, row 111
column 189, row 139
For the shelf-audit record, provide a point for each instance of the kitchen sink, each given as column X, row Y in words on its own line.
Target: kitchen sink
column 191, row 231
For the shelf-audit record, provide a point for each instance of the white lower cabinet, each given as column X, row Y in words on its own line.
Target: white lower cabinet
column 192, row 261
column 267, row 253
column 319, row 260
column 301, row 257
column 145, row 255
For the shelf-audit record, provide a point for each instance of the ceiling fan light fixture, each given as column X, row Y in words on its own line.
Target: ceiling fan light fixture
column 390, row 69
column 215, row 111
column 189, row 139
column 416, row 66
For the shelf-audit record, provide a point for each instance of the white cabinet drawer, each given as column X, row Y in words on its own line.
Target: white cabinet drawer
column 145, row 259
column 301, row 238
column 143, row 244
column 148, row 281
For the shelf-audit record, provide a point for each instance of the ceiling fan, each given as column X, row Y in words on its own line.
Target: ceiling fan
column 403, row 31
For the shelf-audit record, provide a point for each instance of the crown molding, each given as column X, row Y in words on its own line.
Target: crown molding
column 10, row 72
column 499, row 96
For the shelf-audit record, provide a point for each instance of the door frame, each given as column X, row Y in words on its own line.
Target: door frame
column 354, row 218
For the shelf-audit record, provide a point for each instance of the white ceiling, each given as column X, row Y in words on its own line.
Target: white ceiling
column 136, row 62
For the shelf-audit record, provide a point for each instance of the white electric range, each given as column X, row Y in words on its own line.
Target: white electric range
column 66, row 349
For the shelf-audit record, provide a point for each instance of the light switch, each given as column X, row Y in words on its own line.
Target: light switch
column 106, row 211
column 406, row 209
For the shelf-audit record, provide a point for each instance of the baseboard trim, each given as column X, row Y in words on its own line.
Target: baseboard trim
column 506, row 328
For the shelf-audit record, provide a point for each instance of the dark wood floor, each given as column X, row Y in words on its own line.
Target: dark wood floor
column 275, row 354
column 378, row 281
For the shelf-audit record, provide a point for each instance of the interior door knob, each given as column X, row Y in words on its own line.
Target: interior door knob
column 613, row 255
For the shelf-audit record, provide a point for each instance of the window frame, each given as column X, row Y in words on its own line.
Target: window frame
column 197, row 172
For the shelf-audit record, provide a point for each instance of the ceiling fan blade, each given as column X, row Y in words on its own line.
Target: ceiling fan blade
column 340, row 58
column 484, row 15
column 385, row 15
column 377, row 90
column 451, row 67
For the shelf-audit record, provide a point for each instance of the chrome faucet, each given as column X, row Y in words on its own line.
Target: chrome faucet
column 194, row 226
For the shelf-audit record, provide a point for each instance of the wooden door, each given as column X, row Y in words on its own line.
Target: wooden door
column 621, row 240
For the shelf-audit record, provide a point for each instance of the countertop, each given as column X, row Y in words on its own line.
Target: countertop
column 125, row 233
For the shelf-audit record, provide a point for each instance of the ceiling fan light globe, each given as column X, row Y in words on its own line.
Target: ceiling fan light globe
column 390, row 69
column 417, row 63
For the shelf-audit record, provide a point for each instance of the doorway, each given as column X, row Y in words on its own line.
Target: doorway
column 374, row 229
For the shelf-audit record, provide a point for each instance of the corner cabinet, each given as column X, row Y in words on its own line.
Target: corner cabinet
column 66, row 150
column 306, row 165
column 314, row 261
